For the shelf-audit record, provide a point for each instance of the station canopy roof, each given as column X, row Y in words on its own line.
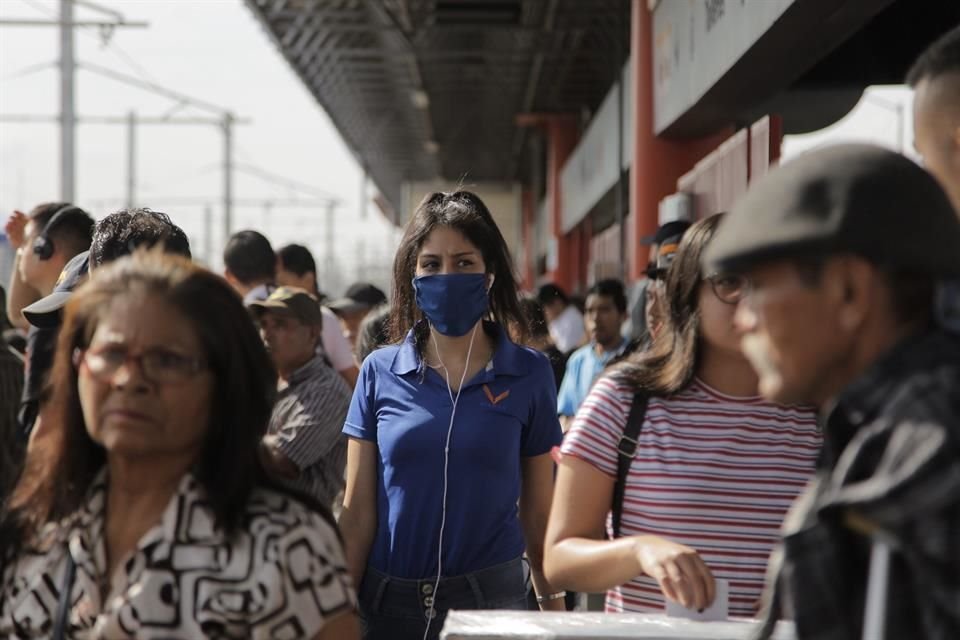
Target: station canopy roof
column 425, row 89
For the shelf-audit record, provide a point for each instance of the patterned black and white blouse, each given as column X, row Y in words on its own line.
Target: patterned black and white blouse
column 281, row 577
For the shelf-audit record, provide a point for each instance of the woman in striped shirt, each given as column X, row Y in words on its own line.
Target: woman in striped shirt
column 715, row 470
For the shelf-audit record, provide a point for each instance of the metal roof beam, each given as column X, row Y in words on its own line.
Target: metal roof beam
column 276, row 8
column 333, row 55
column 304, row 40
column 332, row 14
column 338, row 75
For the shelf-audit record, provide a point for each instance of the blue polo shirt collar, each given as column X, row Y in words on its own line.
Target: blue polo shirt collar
column 507, row 355
column 609, row 355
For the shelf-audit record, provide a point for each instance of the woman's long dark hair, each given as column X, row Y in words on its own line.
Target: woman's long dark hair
column 465, row 212
column 671, row 362
column 62, row 465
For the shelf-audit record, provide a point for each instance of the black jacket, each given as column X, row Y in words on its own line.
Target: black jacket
column 890, row 470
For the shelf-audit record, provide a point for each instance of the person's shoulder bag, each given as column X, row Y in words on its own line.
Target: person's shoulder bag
column 626, row 451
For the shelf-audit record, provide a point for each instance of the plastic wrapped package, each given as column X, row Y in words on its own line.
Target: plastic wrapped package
column 533, row 625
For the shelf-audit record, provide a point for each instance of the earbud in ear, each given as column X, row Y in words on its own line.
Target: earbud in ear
column 490, row 282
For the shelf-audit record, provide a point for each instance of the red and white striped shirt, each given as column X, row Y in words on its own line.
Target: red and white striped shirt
column 713, row 472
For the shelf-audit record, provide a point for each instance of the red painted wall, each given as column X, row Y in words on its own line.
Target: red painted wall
column 657, row 163
column 562, row 136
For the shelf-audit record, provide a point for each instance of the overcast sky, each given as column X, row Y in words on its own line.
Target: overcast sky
column 211, row 50
column 215, row 51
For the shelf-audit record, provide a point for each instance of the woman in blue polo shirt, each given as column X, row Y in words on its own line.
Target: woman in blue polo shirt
column 449, row 474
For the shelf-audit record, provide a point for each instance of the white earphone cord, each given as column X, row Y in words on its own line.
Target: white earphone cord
column 446, row 464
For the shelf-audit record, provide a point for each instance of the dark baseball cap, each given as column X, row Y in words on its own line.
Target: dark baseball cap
column 45, row 313
column 360, row 296
column 667, row 239
column 851, row 198
column 668, row 231
column 292, row 301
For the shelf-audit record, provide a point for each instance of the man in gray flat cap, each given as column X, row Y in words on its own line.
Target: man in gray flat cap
column 842, row 249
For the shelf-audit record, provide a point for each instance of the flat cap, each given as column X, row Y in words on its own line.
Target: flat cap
column 851, row 198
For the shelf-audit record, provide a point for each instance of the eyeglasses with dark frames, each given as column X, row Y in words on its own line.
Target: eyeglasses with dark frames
column 158, row 366
column 729, row 288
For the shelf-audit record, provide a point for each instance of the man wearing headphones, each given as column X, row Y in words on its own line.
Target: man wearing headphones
column 45, row 240
column 114, row 236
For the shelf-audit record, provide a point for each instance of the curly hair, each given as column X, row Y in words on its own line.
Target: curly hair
column 120, row 233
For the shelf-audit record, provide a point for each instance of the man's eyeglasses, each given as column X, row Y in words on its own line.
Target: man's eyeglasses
column 728, row 287
column 158, row 366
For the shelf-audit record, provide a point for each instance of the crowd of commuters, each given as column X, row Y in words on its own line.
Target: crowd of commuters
column 251, row 267
column 195, row 456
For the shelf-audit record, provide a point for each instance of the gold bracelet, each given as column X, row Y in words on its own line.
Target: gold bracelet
column 552, row 596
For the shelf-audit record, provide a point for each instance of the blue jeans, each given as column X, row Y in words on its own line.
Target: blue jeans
column 399, row 609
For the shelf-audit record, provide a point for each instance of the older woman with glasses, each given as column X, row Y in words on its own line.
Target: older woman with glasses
column 711, row 473
column 145, row 511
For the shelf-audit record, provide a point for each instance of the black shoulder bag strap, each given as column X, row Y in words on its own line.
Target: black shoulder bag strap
column 626, row 450
column 63, row 606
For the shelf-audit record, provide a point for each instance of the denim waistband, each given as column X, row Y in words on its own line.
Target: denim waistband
column 489, row 588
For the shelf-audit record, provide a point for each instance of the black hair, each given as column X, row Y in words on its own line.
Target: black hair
column 536, row 322
column 465, row 212
column 249, row 257
column 120, row 233
column 550, row 292
column 73, row 230
column 373, row 332
column 4, row 319
column 297, row 259
column 42, row 213
column 610, row 288
column 943, row 56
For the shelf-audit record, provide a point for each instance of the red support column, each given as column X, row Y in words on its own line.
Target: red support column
column 657, row 163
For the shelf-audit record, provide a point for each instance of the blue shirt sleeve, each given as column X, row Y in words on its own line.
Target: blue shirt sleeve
column 361, row 419
column 542, row 431
column 567, row 400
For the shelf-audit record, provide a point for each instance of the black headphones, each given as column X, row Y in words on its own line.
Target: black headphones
column 43, row 245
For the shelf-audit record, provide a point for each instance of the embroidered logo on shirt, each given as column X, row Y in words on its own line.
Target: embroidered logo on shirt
column 495, row 399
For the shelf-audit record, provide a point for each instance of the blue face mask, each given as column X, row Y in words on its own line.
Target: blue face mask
column 453, row 303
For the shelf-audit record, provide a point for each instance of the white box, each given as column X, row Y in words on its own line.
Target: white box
column 676, row 206
column 533, row 625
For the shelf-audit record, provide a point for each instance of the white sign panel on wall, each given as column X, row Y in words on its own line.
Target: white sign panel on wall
column 591, row 170
column 695, row 42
